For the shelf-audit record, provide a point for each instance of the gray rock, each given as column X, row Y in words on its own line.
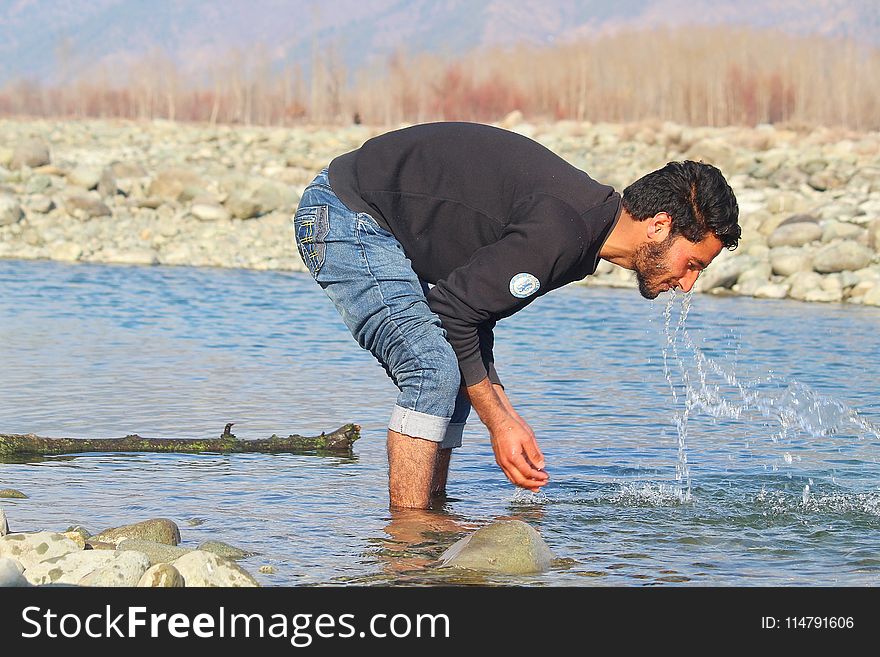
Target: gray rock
column 85, row 176
column 724, row 271
column 785, row 202
column 827, row 296
column 125, row 570
column 205, row 569
column 224, row 550
column 41, row 204
column 752, row 279
column 833, row 229
column 10, row 210
column 136, row 256
column 177, row 184
column 107, row 183
column 874, row 235
column 38, row 184
column 162, row 575
column 69, row 568
column 785, row 260
column 796, row 234
column 160, row 530
column 772, row 291
column 13, row 494
column 128, row 170
column 31, row 549
column 65, row 251
column 839, row 211
column 210, row 212
column 507, row 546
column 156, row 552
column 242, row 205
column 828, row 179
column 86, row 207
column 713, row 151
column 4, row 525
column 31, row 153
column 842, row 256
column 802, row 283
column 11, row 573
column 872, row 296
column 800, row 218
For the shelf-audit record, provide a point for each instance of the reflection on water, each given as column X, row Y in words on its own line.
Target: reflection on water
column 705, row 441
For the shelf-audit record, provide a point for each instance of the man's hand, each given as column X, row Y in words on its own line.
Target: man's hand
column 513, row 441
column 516, row 451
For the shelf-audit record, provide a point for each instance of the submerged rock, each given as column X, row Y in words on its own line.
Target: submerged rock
column 222, row 549
column 11, row 493
column 31, row 549
column 507, row 546
column 160, row 530
column 205, row 569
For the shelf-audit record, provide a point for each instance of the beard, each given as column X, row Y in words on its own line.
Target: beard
column 650, row 267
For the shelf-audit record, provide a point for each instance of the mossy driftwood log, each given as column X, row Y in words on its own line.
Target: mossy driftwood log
column 337, row 442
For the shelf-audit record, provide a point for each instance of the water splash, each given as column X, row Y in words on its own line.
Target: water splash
column 700, row 384
column 648, row 495
column 527, row 497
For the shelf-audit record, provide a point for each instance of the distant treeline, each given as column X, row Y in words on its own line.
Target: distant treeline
column 696, row 76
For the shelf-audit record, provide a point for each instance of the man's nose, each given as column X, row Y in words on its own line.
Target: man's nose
column 687, row 281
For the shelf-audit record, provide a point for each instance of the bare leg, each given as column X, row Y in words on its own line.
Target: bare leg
column 411, row 463
column 441, row 472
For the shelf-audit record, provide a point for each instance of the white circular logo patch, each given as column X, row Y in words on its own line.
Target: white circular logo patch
column 524, row 285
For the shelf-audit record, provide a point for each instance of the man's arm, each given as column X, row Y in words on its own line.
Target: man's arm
column 513, row 441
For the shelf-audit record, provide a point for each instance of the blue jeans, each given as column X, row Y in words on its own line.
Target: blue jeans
column 366, row 274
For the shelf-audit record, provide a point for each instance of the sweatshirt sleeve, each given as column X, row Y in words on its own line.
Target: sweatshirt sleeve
column 541, row 243
column 485, row 332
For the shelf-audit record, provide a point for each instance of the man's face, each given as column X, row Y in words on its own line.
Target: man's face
column 674, row 262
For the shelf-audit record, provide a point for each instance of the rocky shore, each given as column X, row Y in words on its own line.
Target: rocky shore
column 148, row 554
column 196, row 195
column 144, row 554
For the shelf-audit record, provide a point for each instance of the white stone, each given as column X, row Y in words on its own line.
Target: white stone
column 795, row 235
column 11, row 573
column 137, row 256
column 125, row 570
column 31, row 549
column 210, row 212
column 841, row 256
column 205, row 569
column 772, row 291
column 65, row 251
column 85, row 176
column 10, row 210
column 69, row 568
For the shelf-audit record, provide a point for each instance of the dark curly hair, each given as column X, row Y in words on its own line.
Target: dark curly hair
column 694, row 194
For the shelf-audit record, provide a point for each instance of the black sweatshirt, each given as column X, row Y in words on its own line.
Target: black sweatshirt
column 491, row 218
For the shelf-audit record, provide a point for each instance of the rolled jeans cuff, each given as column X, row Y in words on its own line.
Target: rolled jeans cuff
column 417, row 424
column 452, row 439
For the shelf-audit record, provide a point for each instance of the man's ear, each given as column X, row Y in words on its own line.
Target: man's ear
column 658, row 226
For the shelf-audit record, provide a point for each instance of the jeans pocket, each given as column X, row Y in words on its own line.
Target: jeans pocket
column 311, row 225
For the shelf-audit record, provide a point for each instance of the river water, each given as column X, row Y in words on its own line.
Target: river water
column 702, row 441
